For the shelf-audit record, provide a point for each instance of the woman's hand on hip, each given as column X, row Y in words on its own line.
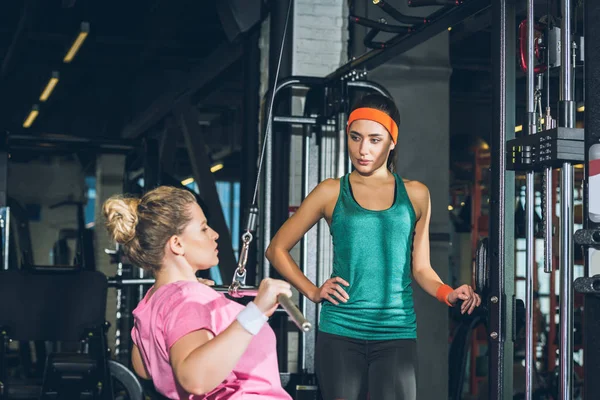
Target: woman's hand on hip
column 330, row 291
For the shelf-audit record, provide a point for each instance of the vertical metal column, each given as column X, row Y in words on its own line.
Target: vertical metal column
column 529, row 211
column 4, row 209
column 500, row 301
column 309, row 250
column 267, row 183
column 591, row 216
column 342, row 142
column 566, row 119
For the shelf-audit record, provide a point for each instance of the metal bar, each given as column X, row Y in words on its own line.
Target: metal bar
column 529, row 211
column 304, row 241
column 267, row 204
column 118, row 282
column 440, row 21
column 342, row 141
column 45, row 141
column 4, row 169
column 397, row 15
column 566, row 119
column 548, row 214
column 529, row 275
column 295, row 120
column 5, row 229
column 566, row 282
column 295, row 315
column 501, row 203
column 379, row 26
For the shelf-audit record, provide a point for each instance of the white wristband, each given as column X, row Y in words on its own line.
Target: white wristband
column 251, row 318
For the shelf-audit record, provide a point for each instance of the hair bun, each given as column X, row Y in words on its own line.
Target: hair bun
column 121, row 218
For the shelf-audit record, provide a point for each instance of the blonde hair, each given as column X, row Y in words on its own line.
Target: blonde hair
column 143, row 226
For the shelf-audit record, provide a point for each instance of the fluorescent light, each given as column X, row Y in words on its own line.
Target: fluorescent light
column 216, row 167
column 50, row 86
column 518, row 128
column 85, row 30
column 581, row 109
column 31, row 117
column 187, row 181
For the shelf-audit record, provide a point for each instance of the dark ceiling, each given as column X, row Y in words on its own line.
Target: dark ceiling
column 135, row 50
column 124, row 79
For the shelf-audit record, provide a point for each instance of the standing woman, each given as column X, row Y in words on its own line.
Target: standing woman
column 379, row 223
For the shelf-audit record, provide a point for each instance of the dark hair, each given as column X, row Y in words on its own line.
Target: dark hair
column 385, row 104
column 144, row 225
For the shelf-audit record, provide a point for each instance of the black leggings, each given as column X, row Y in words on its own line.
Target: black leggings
column 349, row 369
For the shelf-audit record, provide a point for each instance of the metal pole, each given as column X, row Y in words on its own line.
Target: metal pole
column 500, row 300
column 566, row 283
column 547, row 182
column 567, row 119
column 548, row 213
column 268, row 192
column 5, row 229
column 529, row 210
column 304, row 244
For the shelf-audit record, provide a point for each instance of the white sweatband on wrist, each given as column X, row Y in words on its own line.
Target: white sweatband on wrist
column 251, row 318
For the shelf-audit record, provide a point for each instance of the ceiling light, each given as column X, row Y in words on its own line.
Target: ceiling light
column 518, row 128
column 187, row 181
column 85, row 30
column 581, row 109
column 216, row 167
column 32, row 116
column 50, row 86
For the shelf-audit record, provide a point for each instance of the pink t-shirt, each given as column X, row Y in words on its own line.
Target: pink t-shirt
column 178, row 308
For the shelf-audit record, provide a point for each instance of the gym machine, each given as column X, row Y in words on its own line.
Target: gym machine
column 589, row 236
column 37, row 301
column 550, row 143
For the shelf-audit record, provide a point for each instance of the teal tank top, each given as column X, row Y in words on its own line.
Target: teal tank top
column 372, row 252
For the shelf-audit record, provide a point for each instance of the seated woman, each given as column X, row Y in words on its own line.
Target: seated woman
column 189, row 339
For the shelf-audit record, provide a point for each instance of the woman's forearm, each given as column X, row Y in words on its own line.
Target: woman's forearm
column 289, row 270
column 428, row 279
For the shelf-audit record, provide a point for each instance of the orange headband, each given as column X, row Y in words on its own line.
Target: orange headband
column 375, row 115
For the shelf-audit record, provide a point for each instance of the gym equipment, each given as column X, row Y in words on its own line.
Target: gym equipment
column 402, row 31
column 66, row 306
column 545, row 147
column 589, row 237
column 61, row 306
